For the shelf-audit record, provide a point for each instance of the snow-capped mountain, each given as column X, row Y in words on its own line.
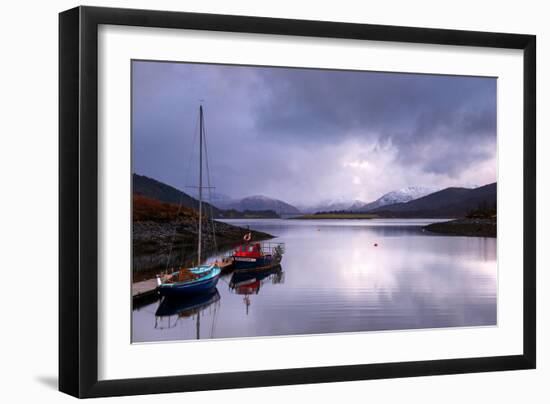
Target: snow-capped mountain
column 400, row 196
column 258, row 203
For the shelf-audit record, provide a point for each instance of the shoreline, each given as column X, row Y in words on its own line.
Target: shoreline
column 465, row 227
column 156, row 243
column 328, row 216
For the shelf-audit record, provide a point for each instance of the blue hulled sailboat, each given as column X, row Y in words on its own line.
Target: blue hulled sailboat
column 202, row 278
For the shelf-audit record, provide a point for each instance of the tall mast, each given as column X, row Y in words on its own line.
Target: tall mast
column 200, row 184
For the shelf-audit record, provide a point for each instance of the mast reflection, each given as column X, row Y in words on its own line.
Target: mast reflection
column 249, row 282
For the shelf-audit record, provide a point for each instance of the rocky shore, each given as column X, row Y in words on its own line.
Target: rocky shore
column 466, row 227
column 165, row 235
column 157, row 243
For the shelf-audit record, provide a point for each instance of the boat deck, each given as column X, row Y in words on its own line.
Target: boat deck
column 148, row 287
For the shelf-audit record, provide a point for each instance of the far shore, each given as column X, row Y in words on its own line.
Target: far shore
column 466, row 227
column 337, row 216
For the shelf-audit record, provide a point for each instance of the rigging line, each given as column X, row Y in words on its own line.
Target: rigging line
column 191, row 151
column 209, row 187
column 173, row 238
column 189, row 161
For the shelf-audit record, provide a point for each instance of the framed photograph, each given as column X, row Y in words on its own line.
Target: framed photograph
column 251, row 201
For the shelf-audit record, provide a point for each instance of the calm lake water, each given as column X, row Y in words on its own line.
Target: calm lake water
column 334, row 279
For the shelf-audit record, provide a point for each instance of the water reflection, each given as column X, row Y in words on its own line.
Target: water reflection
column 344, row 276
column 172, row 309
column 249, row 282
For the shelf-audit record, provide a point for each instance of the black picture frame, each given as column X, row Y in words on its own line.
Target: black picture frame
column 78, row 201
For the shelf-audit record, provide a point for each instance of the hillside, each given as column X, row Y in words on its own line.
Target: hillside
column 159, row 191
column 167, row 233
column 449, row 202
column 151, row 188
column 148, row 209
column 260, row 203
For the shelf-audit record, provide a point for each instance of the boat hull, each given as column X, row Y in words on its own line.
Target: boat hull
column 175, row 289
column 194, row 288
column 250, row 263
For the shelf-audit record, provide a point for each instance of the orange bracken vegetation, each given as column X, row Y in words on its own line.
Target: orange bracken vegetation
column 145, row 208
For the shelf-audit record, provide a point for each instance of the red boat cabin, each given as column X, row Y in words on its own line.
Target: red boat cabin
column 249, row 250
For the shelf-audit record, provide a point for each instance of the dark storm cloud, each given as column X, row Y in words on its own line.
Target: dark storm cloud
column 304, row 134
column 409, row 110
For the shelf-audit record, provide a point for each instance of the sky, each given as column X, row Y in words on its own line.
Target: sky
column 309, row 135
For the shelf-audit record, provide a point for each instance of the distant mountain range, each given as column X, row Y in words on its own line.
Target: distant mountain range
column 259, row 203
column 400, row 196
column 342, row 204
column 159, row 191
column 449, row 202
column 406, row 202
column 331, row 205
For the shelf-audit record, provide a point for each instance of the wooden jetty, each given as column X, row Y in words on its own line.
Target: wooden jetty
column 147, row 289
column 139, row 289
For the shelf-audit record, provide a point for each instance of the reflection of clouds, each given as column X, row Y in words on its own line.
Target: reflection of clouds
column 337, row 281
column 417, row 281
column 388, row 272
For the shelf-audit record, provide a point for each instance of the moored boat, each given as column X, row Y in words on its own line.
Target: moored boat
column 254, row 256
column 202, row 278
column 189, row 281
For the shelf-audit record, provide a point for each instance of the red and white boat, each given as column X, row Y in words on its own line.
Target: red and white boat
column 256, row 255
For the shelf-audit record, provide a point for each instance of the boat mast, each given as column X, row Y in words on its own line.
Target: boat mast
column 200, row 184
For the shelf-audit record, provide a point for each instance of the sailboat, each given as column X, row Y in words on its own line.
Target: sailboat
column 202, row 278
